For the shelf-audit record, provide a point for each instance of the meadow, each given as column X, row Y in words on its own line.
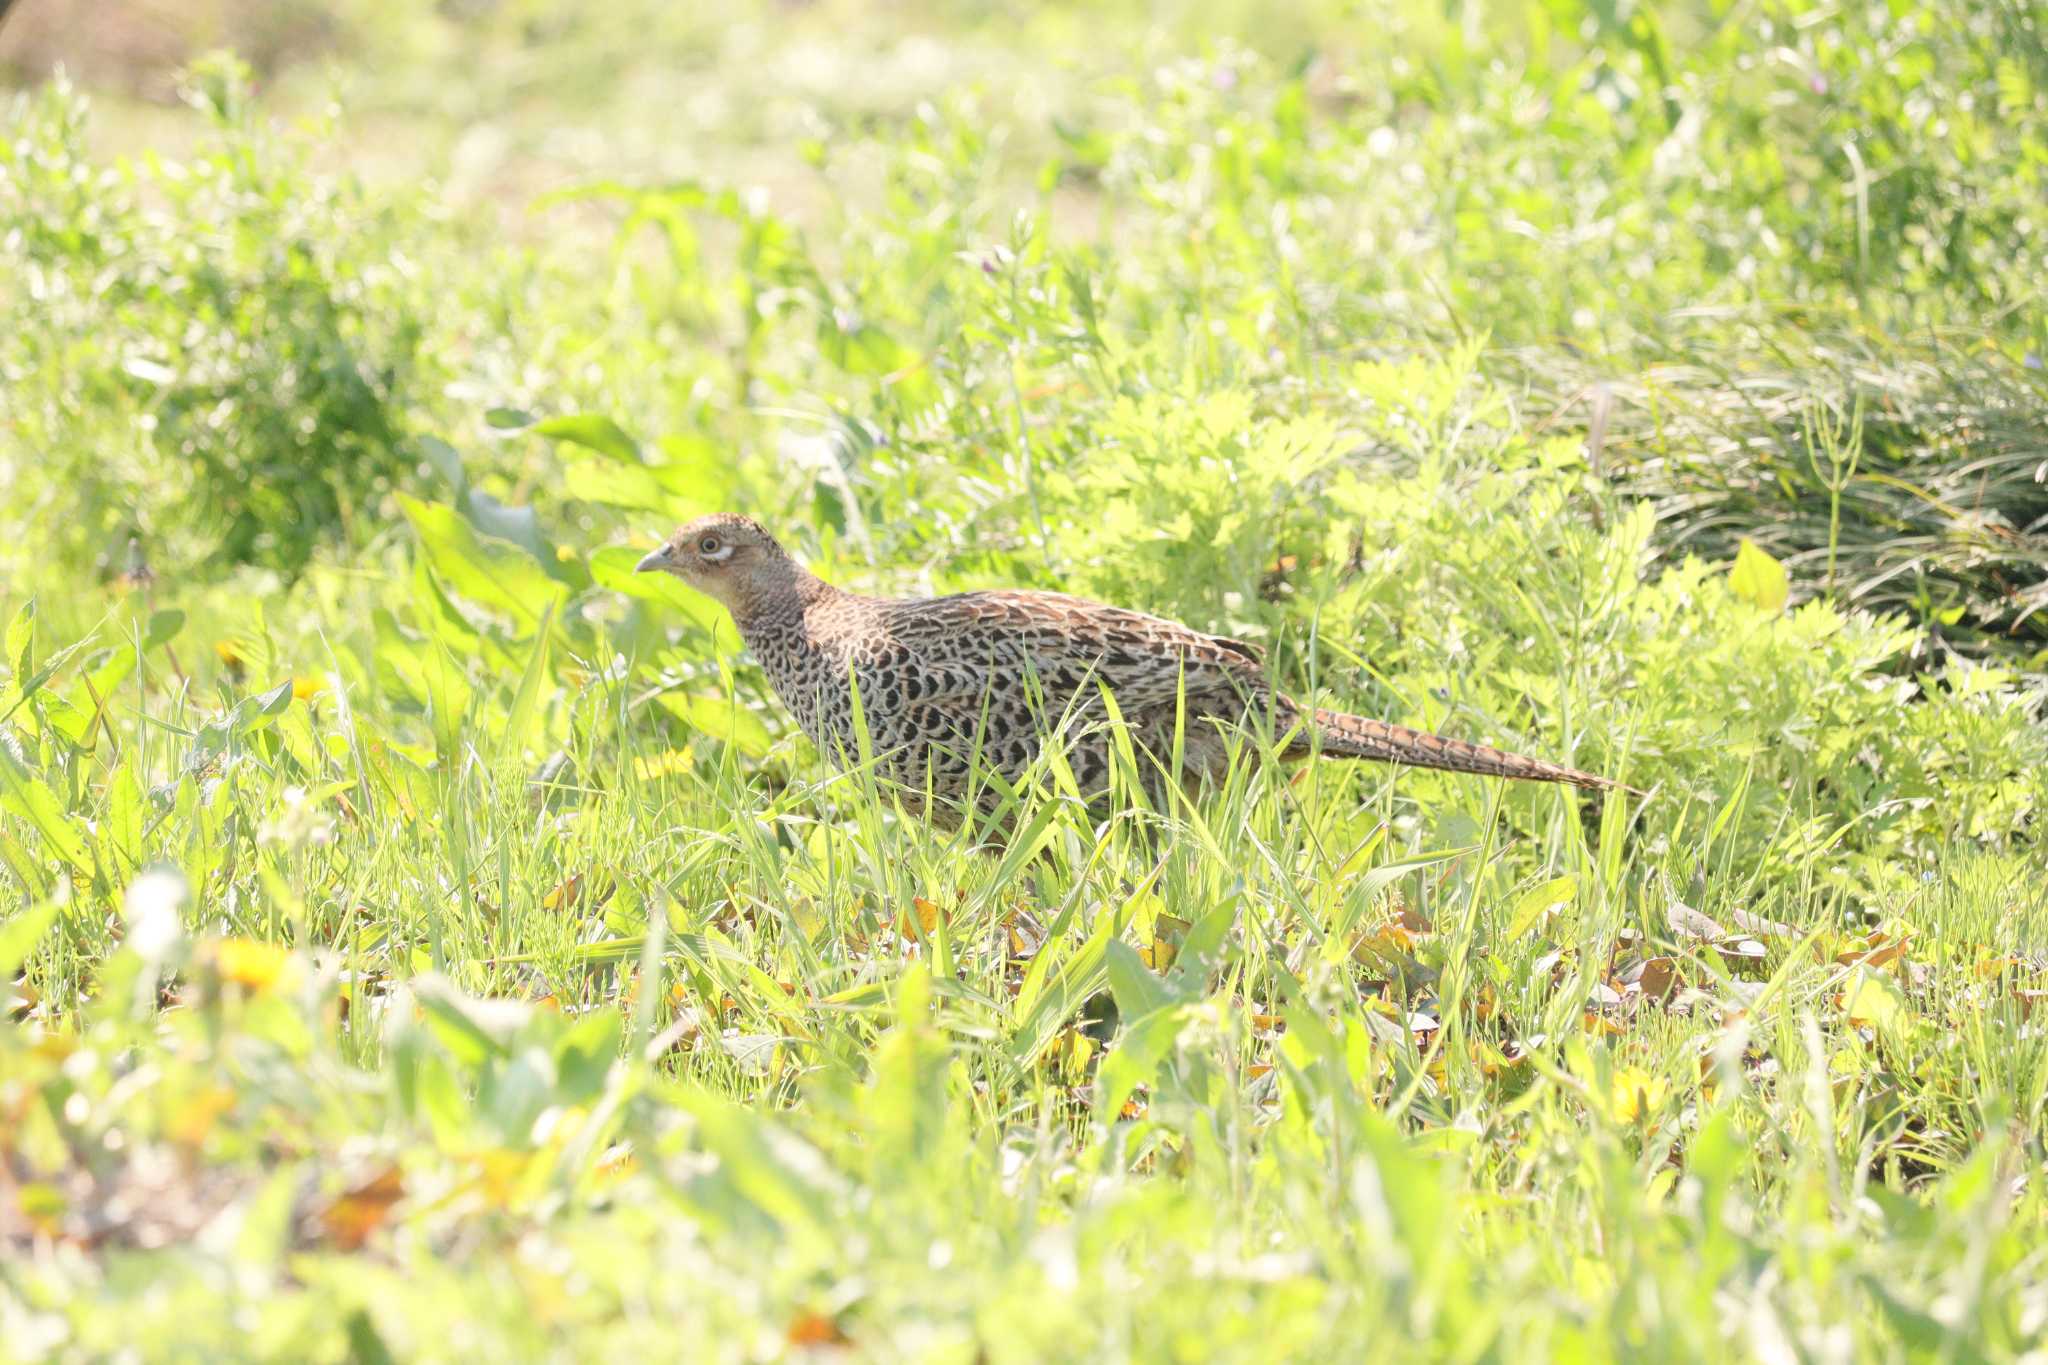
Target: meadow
column 423, row 938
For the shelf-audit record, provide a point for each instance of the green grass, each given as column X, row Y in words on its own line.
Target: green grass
column 425, row 938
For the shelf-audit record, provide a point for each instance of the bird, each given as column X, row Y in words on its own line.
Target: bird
column 951, row 688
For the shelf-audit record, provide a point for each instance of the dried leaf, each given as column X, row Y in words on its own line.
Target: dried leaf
column 814, row 1329
column 927, row 917
column 1026, row 935
column 1688, row 923
column 1757, row 925
column 1875, row 952
column 1658, row 978
column 359, row 1211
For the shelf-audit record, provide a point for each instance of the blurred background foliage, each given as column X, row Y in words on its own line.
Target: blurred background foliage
column 1656, row 388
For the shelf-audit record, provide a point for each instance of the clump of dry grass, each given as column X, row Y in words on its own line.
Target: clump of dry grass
column 1906, row 474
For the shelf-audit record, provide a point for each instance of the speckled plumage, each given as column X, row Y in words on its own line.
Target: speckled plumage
column 943, row 681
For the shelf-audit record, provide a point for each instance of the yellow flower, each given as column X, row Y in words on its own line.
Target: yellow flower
column 255, row 965
column 1635, row 1094
column 308, row 687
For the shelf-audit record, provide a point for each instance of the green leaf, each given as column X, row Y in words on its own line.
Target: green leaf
column 1539, row 901
column 1138, row 992
column 522, row 724
column 592, row 432
column 472, row 1030
column 1045, row 1002
column 618, row 485
column 30, row 798
column 1757, row 578
column 21, row 638
column 256, row 713
column 612, row 567
column 163, row 628
column 20, row 935
column 1136, row 1058
column 863, row 349
column 718, row 718
column 512, row 584
column 29, row 686
column 448, row 698
column 1359, row 899
column 1873, row 998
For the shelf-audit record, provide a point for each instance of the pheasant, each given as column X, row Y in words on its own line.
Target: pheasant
column 944, row 682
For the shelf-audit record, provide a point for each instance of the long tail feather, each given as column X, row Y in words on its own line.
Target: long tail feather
column 1338, row 735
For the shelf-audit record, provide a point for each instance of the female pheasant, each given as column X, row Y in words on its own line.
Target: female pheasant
column 944, row 683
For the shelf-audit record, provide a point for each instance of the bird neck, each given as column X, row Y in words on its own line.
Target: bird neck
column 778, row 597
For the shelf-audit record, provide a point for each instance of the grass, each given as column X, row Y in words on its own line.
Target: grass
column 424, row 937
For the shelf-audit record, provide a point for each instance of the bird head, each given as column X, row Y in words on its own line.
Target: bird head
column 727, row 557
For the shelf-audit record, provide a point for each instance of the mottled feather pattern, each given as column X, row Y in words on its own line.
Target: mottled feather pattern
column 946, row 682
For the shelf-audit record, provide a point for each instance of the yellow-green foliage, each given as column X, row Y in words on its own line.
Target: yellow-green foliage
column 421, row 936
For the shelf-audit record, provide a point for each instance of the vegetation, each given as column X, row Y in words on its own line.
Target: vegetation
column 424, row 937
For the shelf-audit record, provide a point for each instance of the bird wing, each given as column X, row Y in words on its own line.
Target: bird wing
column 970, row 641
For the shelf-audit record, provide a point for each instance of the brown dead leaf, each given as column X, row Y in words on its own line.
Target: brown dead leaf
column 1415, row 922
column 1605, row 1025
column 360, row 1210
column 1740, row 950
column 193, row 1115
column 928, row 915
column 1026, row 935
column 1760, row 927
column 1689, row 923
column 813, row 1329
column 1660, row 978
column 1876, row 951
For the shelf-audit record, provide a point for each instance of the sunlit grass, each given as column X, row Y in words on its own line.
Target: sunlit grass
column 426, row 937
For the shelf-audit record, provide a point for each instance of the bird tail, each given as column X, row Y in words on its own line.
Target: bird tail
column 1338, row 735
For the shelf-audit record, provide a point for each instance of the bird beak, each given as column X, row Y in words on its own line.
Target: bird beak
column 657, row 559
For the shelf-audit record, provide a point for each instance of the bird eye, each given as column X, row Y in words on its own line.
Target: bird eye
column 708, row 545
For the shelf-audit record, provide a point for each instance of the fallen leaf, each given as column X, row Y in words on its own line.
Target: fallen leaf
column 1687, row 922
column 1875, row 952
column 1415, row 922
column 195, row 1111
column 350, row 1218
column 815, row 1329
column 1658, row 978
column 1758, row 925
column 928, row 917
column 1026, row 934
